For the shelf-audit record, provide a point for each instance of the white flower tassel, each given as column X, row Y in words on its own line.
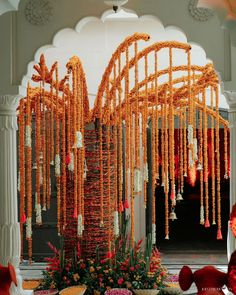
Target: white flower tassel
column 145, row 176
column 71, row 164
column 80, row 226
column 78, row 140
column 28, row 228
column 85, row 169
column 18, row 182
column 116, row 224
column 57, row 165
column 190, row 134
column 190, row 158
column 38, row 214
column 137, row 180
column 195, row 149
column 41, row 175
column 154, row 234
column 28, row 136
column 202, row 219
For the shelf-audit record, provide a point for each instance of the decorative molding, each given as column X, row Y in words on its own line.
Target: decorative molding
column 38, row 12
column 9, row 5
column 9, row 104
column 199, row 13
column 8, row 123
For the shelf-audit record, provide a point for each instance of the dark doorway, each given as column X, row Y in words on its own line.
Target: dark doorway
column 186, row 233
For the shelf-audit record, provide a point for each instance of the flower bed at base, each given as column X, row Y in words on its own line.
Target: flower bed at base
column 127, row 266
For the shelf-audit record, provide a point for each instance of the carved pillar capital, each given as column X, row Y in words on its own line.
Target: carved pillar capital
column 8, row 107
column 231, row 100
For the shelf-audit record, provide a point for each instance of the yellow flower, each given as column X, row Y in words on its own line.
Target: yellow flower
column 150, row 274
column 76, row 277
column 128, row 285
column 106, row 270
column 158, row 279
column 52, row 286
column 91, row 269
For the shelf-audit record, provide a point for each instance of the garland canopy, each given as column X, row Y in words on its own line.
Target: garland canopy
column 135, row 94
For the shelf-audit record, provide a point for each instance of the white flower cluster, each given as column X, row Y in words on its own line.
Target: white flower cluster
column 195, row 149
column 190, row 134
column 57, row 165
column 85, row 169
column 190, row 158
column 28, row 228
column 145, row 174
column 78, row 140
column 18, row 182
column 202, row 219
column 71, row 164
column 28, row 140
column 41, row 175
column 38, row 214
column 153, row 233
column 137, row 180
column 116, row 224
column 80, row 227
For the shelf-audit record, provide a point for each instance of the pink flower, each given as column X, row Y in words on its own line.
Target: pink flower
column 120, row 281
column 131, row 268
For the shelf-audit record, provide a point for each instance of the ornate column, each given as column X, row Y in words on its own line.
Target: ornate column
column 231, row 99
column 9, row 225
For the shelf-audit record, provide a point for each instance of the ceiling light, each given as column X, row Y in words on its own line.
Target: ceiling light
column 116, row 4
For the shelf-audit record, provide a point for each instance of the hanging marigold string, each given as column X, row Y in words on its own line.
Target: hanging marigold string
column 200, row 169
column 205, row 155
column 181, row 155
column 43, row 148
column 63, row 143
column 171, row 130
column 217, row 130
column 28, row 145
column 57, row 157
column 156, row 125
column 226, row 176
column 166, row 173
column 185, row 145
column 213, row 182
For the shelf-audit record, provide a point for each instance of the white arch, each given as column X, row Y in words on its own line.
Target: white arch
column 94, row 40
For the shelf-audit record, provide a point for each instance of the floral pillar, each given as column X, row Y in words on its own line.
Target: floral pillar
column 9, row 225
column 231, row 99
